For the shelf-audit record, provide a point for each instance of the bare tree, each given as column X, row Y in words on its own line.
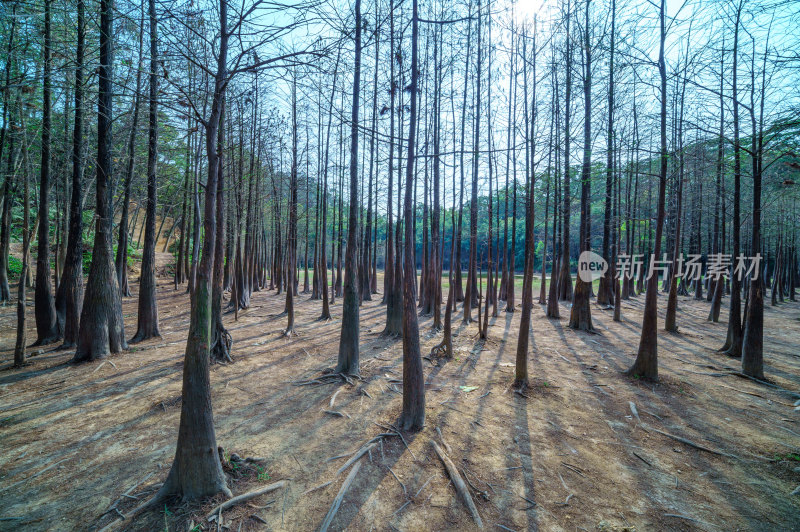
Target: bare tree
column 348, row 342
column 148, row 309
column 413, row 414
column 47, row 330
column 646, row 364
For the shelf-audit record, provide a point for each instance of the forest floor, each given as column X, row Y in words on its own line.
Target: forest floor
column 569, row 455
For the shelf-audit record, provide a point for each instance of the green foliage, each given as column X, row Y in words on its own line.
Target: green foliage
column 167, row 513
column 86, row 261
column 173, row 247
column 539, row 248
column 263, row 476
column 132, row 256
column 87, row 219
column 14, row 266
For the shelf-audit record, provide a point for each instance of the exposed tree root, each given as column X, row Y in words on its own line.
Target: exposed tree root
column 337, row 501
column 245, row 497
column 329, row 377
column 337, row 413
column 165, row 492
column 115, row 524
column 693, row 444
column 519, row 386
column 333, row 397
column 440, row 349
column 358, row 454
column 458, row 483
column 441, row 437
column 221, row 347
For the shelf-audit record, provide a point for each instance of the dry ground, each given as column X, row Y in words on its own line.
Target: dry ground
column 569, row 456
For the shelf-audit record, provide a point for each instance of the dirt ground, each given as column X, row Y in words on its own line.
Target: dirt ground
column 568, row 456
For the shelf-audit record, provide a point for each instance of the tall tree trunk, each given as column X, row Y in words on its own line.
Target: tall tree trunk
column 191, row 285
column 5, row 216
column 521, row 370
column 646, row 364
column 69, row 297
column 616, row 220
column 670, row 322
column 366, row 265
column 326, row 312
column 435, row 265
column 348, row 340
column 753, row 340
column 22, row 328
column 292, row 237
column 316, row 280
column 470, row 296
column 121, row 259
column 580, row 316
column 605, row 292
column 565, row 277
column 179, row 267
column 196, row 470
column 483, row 330
column 733, row 342
column 543, row 285
column 102, row 329
column 47, row 330
column 392, row 273
column 457, row 278
column 307, row 237
column 413, row 414
column 553, row 310
column 221, row 341
column 510, row 127
column 148, row 309
column 5, row 225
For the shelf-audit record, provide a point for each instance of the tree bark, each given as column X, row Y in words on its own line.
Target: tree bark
column 196, row 470
column 22, row 329
column 670, row 322
column 580, row 316
column 102, row 329
column 121, row 259
column 733, row 342
column 605, row 292
column 148, row 309
column 47, row 330
column 221, row 341
column 292, row 237
column 392, row 273
column 521, row 369
column 753, row 340
column 413, row 414
column 5, row 216
column 565, row 277
column 348, row 340
column 646, row 364
column 470, row 295
column 69, row 297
